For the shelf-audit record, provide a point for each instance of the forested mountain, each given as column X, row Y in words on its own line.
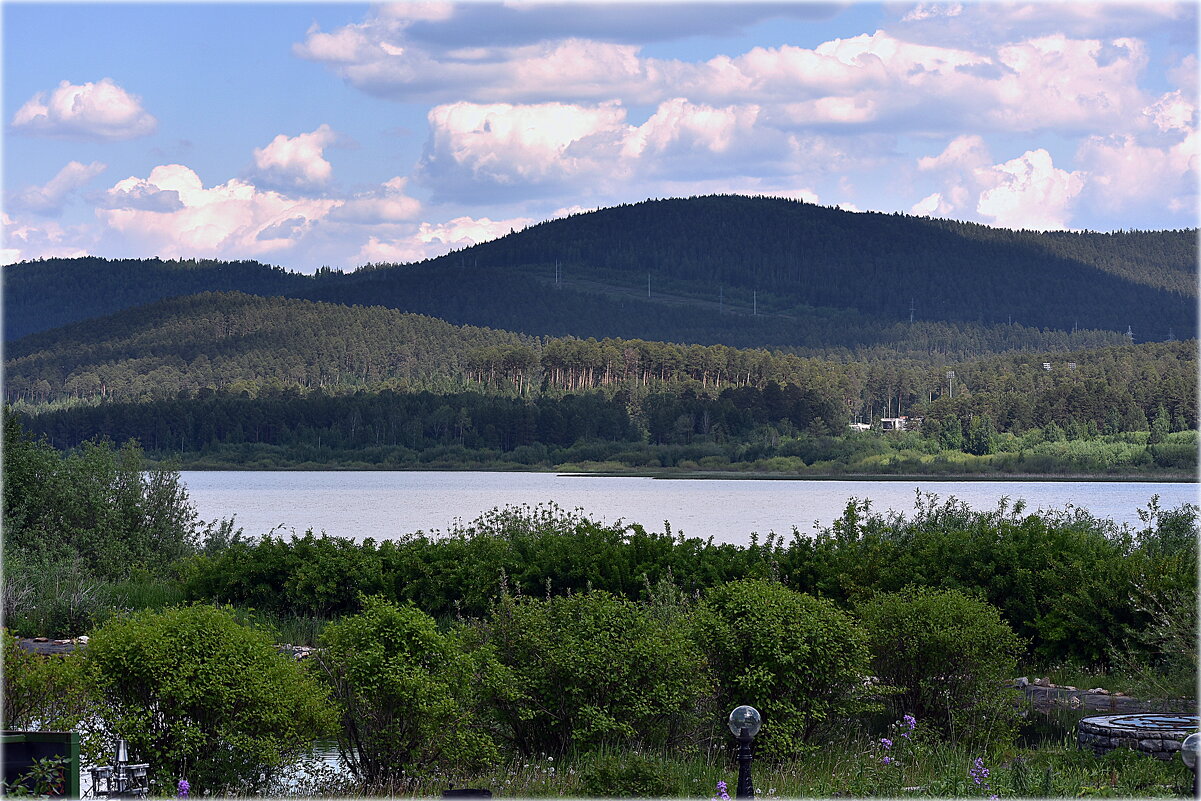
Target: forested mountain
column 732, row 270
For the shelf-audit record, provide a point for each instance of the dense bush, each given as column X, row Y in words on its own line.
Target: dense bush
column 95, row 505
column 950, row 655
column 1061, row 578
column 797, row 659
column 202, row 697
column 403, row 692
column 51, row 693
column 591, row 669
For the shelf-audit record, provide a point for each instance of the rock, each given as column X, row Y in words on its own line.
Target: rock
column 41, row 639
column 82, row 639
column 1022, row 683
column 1171, row 745
column 1099, row 691
column 1119, row 695
column 1043, row 682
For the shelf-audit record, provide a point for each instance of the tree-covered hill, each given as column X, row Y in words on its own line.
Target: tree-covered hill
column 236, row 341
column 733, row 270
column 244, row 347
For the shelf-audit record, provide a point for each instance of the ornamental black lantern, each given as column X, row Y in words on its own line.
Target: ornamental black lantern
column 1188, row 754
column 744, row 724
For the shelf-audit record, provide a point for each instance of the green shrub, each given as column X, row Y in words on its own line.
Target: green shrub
column 950, row 655
column 797, row 659
column 202, row 697
column 51, row 693
column 590, row 669
column 626, row 775
column 95, row 505
column 403, row 693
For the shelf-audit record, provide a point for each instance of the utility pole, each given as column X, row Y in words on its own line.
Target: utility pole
column 755, row 302
column 648, row 286
column 951, row 381
column 911, row 311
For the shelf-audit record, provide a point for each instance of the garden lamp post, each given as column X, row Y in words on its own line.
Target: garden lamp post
column 1188, row 755
column 744, row 724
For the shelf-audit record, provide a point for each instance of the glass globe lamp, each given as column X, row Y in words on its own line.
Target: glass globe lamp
column 745, row 717
column 1189, row 749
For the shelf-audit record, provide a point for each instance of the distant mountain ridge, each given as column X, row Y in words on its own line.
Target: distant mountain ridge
column 742, row 271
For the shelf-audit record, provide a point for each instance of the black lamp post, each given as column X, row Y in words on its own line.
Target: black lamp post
column 1188, row 754
column 744, row 724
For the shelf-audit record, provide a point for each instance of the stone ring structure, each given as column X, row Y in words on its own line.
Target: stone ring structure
column 1158, row 734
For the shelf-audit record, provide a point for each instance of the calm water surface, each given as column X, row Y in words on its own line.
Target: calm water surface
column 384, row 505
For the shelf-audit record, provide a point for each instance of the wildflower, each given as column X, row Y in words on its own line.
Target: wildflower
column 887, row 743
column 721, row 792
column 911, row 722
column 886, row 761
column 979, row 774
column 183, row 788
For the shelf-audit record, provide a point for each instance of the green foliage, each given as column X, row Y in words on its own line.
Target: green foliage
column 950, row 655
column 202, row 697
column 797, row 659
column 96, row 507
column 44, row 779
column 51, row 693
column 626, row 775
column 591, row 669
column 404, row 695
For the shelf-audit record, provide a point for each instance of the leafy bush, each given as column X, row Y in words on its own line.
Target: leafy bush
column 797, row 659
column 591, row 669
column 626, row 775
column 403, row 693
column 950, row 655
column 51, row 693
column 95, row 505
column 202, row 697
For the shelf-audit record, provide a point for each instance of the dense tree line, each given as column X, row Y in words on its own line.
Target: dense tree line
column 195, row 346
column 819, row 277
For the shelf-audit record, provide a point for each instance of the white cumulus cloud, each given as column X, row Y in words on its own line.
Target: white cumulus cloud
column 100, row 110
column 1030, row 192
column 231, row 220
column 296, row 162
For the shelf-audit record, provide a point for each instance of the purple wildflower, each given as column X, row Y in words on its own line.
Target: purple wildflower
column 721, row 791
column 183, row 788
column 886, row 761
column 978, row 773
column 911, row 722
column 887, row 743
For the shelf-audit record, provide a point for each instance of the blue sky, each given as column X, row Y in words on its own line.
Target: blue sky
column 341, row 134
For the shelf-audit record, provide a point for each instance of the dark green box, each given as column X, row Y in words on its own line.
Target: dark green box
column 22, row 748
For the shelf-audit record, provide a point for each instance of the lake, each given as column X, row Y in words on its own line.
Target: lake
column 385, row 505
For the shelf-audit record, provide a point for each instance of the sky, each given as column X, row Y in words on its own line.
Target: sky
column 341, row 134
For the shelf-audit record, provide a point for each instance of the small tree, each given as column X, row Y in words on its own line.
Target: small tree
column 949, row 655
column 797, row 659
column 200, row 696
column 592, row 669
column 403, row 692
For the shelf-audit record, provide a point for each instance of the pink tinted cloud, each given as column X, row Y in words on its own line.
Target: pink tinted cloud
column 100, row 110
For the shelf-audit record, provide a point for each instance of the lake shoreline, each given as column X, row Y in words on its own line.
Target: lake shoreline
column 695, row 475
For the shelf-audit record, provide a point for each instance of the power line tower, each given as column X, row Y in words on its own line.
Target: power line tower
column 1129, row 335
